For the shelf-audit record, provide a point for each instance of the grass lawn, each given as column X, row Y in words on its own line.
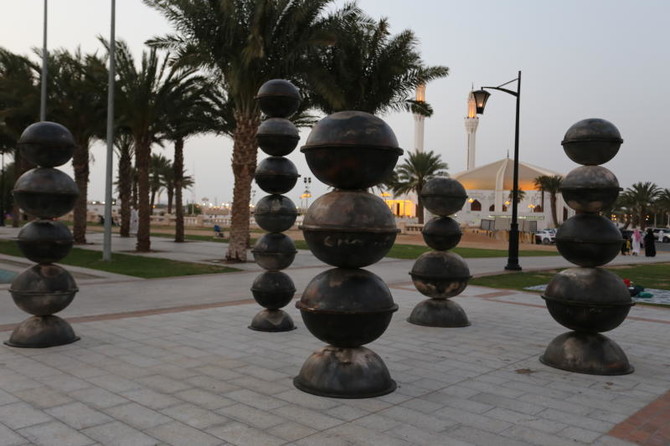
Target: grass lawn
column 654, row 275
column 130, row 265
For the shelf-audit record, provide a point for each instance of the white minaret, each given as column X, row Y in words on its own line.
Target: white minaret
column 418, row 119
column 471, row 123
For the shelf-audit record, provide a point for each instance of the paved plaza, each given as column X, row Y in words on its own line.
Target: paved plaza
column 172, row 362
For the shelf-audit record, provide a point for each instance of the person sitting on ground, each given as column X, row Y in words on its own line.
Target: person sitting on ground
column 217, row 231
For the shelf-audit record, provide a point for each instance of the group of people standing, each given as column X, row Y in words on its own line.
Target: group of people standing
column 633, row 243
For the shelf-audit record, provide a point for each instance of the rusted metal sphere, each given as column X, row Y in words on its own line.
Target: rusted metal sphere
column 275, row 213
column 47, row 144
column 273, row 289
column 443, row 196
column 278, row 98
column 441, row 233
column 438, row 313
column 588, row 299
column 590, row 188
column 272, row 321
column 45, row 192
column 349, row 229
column 276, row 175
column 43, row 289
column 590, row 353
column 45, row 241
column 42, row 332
column 346, row 307
column 274, row 251
column 592, row 141
column 440, row 274
column 336, row 372
column 277, row 136
column 588, row 240
column 351, row 150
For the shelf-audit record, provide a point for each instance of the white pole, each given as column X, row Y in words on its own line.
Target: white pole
column 107, row 240
column 45, row 56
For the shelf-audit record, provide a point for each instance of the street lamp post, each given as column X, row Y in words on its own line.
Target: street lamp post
column 481, row 97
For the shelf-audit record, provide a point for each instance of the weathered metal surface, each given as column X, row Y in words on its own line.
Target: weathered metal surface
column 345, row 373
column 276, row 175
column 349, row 229
column 346, row 307
column 441, row 233
column 275, row 213
column 440, row 274
column 274, row 251
column 351, row 150
column 443, row 196
column 43, row 289
column 42, row 332
column 592, row 141
column 272, row 320
column 277, row 136
column 589, row 353
column 278, row 98
column 588, row 240
column 590, row 189
column 46, row 144
column 45, row 192
column 438, row 313
column 273, row 289
column 45, row 241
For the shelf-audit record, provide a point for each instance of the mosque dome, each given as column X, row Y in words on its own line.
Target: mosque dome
column 499, row 175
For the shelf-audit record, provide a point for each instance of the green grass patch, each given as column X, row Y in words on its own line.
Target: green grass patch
column 130, row 265
column 654, row 275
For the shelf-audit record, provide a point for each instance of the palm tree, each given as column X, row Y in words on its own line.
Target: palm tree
column 412, row 174
column 642, row 197
column 77, row 100
column 552, row 185
column 157, row 182
column 124, row 147
column 244, row 43
column 367, row 69
column 662, row 203
column 145, row 95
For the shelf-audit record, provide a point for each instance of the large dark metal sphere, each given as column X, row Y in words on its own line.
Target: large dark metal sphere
column 274, row 251
column 278, row 98
column 42, row 332
column 272, row 321
column 592, row 141
column 590, row 189
column 438, row 313
column 441, row 233
column 590, row 353
column 273, row 289
column 45, row 241
column 443, row 196
column 440, row 274
column 349, row 229
column 347, row 307
column 277, row 136
column 45, row 192
column 588, row 299
column 588, row 240
column 43, row 289
column 351, row 150
column 276, row 175
column 47, row 144
column 275, row 213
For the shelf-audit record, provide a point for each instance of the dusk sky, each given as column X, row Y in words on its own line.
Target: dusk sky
column 580, row 59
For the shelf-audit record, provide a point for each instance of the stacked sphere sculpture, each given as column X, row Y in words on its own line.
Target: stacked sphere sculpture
column 46, row 193
column 348, row 228
column 440, row 274
column 275, row 213
column 588, row 299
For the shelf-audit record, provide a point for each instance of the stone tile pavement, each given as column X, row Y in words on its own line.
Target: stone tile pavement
column 201, row 377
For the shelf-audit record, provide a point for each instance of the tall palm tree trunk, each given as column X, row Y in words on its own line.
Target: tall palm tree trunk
column 142, row 162
column 552, row 203
column 80, row 166
column 178, row 166
column 125, row 189
column 244, row 166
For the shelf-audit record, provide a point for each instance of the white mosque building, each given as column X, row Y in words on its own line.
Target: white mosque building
column 489, row 189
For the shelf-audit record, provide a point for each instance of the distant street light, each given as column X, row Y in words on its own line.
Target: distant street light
column 481, row 96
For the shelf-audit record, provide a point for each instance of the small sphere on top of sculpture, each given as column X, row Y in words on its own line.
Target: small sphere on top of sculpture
column 278, row 98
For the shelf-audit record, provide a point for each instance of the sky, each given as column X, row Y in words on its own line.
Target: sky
column 579, row 59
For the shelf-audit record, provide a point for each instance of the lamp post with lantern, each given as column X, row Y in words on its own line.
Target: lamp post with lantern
column 481, row 96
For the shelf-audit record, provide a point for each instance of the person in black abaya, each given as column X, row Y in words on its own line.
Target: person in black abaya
column 649, row 244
